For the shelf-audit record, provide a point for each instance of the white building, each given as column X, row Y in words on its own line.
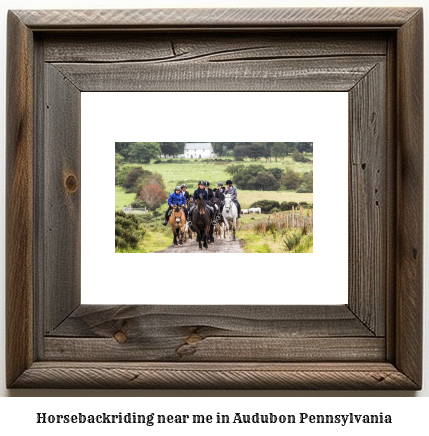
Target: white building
column 197, row 150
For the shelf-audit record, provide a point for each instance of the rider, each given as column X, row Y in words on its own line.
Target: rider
column 175, row 199
column 230, row 189
column 185, row 193
column 200, row 192
column 220, row 193
column 208, row 190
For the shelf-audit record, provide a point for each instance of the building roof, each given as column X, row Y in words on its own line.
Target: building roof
column 198, row 146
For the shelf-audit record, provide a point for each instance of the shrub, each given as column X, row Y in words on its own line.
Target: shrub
column 275, row 210
column 304, row 188
column 134, row 178
column 265, row 205
column 290, row 179
column 138, row 204
column 291, row 239
column 287, row 205
column 128, row 231
column 264, row 181
column 299, row 157
column 276, row 172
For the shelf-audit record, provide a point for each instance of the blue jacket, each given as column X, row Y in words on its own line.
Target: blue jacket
column 199, row 191
column 176, row 199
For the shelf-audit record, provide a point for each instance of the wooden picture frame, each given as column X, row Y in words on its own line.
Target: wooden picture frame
column 373, row 342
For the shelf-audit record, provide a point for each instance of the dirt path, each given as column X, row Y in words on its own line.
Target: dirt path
column 220, row 246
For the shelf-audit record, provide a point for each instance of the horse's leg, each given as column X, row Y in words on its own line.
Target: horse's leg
column 205, row 238
column 211, row 234
column 234, row 223
column 175, row 236
column 199, row 240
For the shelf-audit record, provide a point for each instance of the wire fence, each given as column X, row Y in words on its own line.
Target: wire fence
column 297, row 218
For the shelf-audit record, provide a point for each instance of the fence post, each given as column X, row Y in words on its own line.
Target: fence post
column 292, row 217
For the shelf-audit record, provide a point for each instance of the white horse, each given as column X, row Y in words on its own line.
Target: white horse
column 230, row 215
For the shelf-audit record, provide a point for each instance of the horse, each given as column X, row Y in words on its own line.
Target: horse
column 202, row 224
column 215, row 203
column 178, row 224
column 230, row 214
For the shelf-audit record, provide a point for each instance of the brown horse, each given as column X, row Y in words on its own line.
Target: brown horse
column 178, row 224
column 201, row 222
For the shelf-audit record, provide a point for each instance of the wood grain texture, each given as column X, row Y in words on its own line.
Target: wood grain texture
column 230, row 18
column 368, row 202
column 215, row 376
column 99, row 321
column 410, row 192
column 171, row 47
column 330, row 74
column 61, row 188
column 213, row 333
column 19, row 200
column 194, row 348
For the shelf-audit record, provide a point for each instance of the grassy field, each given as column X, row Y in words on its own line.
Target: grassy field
column 121, row 198
column 191, row 172
column 194, row 170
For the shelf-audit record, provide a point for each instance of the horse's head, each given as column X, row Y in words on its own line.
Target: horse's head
column 177, row 214
column 201, row 206
column 227, row 202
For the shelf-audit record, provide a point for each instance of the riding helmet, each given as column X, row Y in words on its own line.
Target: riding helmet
column 201, row 182
column 183, row 186
column 207, row 184
column 229, row 182
column 220, row 184
column 177, row 188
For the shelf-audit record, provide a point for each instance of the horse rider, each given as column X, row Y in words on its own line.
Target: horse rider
column 185, row 194
column 220, row 192
column 231, row 189
column 200, row 192
column 175, row 199
column 208, row 190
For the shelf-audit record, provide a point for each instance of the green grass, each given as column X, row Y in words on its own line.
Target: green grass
column 192, row 171
column 121, row 198
column 152, row 241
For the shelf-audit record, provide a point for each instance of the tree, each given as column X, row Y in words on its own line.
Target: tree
column 305, row 147
column 307, row 182
column 290, row 179
column 118, row 161
column 290, row 147
column 172, row 148
column 299, row 157
column 257, row 150
column 276, row 172
column 123, row 148
column 169, row 149
column 279, row 150
column 144, row 151
column 153, row 196
column 134, row 177
column 264, row 181
column 240, row 152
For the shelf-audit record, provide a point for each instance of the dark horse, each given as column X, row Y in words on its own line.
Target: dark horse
column 201, row 223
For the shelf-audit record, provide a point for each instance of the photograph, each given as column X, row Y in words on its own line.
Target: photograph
column 223, row 197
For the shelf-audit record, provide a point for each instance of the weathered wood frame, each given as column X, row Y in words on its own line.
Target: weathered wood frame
column 374, row 342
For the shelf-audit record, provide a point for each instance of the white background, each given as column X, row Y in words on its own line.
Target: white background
column 412, row 413
column 137, row 278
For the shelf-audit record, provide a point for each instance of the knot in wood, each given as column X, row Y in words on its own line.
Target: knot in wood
column 71, row 183
column 120, row 337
